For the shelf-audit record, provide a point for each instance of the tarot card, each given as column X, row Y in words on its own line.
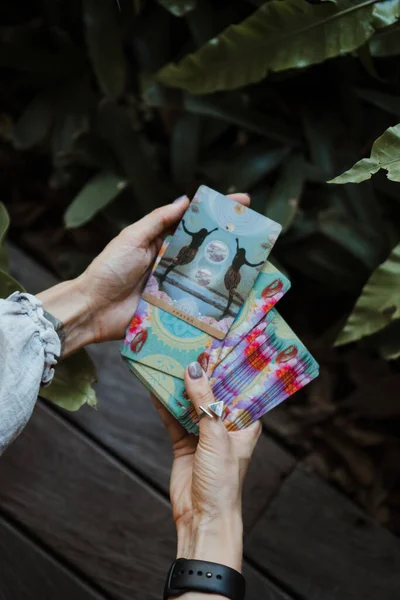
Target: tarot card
column 270, row 365
column 211, row 263
column 164, row 342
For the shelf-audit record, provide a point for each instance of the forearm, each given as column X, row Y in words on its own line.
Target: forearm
column 68, row 308
column 217, row 540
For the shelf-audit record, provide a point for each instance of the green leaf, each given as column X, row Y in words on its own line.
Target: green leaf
column 72, row 103
column 132, row 151
column 320, row 130
column 203, row 22
column 234, row 111
column 185, row 145
column 386, row 43
column 387, row 102
column 364, row 54
column 385, row 154
column 71, row 387
column 4, row 222
column 244, row 171
column 8, row 285
column 178, row 8
column 378, row 304
column 93, row 197
column 35, row 122
column 91, row 150
column 284, row 200
column 279, row 36
column 361, row 242
column 104, row 40
column 388, row 341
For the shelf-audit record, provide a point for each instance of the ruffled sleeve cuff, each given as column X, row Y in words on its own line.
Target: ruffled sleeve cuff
column 29, row 349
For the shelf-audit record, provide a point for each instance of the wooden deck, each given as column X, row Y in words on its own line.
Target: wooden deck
column 84, row 510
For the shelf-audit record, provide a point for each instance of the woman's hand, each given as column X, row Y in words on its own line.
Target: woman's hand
column 98, row 305
column 207, row 479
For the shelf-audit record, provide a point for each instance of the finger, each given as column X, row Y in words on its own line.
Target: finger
column 174, row 429
column 158, row 221
column 241, row 198
column 246, row 439
column 200, row 394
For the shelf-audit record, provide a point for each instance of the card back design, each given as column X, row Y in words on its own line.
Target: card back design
column 269, row 365
column 211, row 263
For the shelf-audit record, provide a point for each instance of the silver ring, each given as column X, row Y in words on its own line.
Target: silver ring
column 205, row 411
column 213, row 409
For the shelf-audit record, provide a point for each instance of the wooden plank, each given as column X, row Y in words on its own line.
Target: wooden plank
column 269, row 467
column 260, row 588
column 126, row 420
column 85, row 507
column 323, row 546
column 28, row 573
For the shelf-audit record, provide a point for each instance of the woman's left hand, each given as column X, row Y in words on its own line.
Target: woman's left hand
column 98, row 305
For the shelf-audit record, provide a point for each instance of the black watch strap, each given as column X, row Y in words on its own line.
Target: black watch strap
column 202, row 576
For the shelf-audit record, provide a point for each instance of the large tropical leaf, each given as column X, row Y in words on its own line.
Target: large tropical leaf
column 378, row 304
column 93, row 197
column 178, row 8
column 132, row 151
column 388, row 341
column 278, row 36
column 385, row 154
column 231, row 108
column 283, row 202
column 245, row 170
column 104, row 40
column 185, row 144
column 71, row 387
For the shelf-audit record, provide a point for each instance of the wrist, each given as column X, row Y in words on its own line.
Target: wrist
column 69, row 306
column 218, row 540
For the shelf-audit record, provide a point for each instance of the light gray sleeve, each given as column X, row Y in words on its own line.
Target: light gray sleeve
column 29, row 347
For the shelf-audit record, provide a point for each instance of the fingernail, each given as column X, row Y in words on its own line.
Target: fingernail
column 248, row 195
column 195, row 370
column 179, row 199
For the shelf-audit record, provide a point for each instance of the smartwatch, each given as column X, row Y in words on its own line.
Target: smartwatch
column 202, row 576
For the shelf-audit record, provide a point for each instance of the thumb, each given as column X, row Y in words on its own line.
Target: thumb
column 200, row 394
column 159, row 221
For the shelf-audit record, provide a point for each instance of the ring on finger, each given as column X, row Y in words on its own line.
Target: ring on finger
column 213, row 409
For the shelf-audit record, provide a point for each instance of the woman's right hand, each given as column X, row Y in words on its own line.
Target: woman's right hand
column 207, row 479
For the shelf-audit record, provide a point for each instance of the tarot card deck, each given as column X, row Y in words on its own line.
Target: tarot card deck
column 191, row 310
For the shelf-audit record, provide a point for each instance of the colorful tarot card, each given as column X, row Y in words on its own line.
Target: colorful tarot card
column 271, row 364
column 164, row 342
column 268, row 289
column 211, row 263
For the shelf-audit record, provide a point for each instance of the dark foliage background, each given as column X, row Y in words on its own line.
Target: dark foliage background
column 110, row 108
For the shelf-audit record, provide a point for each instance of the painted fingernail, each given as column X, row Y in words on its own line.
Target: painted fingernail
column 179, row 199
column 195, row 370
